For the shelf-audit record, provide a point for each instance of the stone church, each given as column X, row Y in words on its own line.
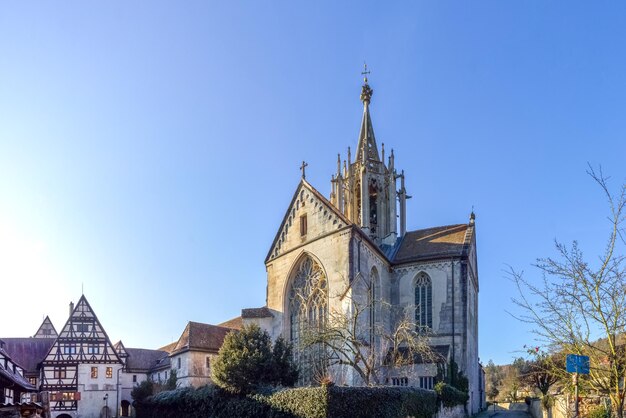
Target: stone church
column 351, row 254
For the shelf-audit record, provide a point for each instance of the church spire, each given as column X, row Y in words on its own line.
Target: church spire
column 366, row 149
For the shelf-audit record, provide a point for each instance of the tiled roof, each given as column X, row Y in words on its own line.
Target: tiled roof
column 262, row 312
column 235, row 323
column 28, row 352
column 141, row 359
column 437, row 242
column 169, row 347
column 201, row 336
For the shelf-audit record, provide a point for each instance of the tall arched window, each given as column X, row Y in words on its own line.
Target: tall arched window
column 373, row 305
column 308, row 310
column 423, row 302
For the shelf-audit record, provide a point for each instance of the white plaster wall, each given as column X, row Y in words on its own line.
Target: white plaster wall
column 93, row 390
column 193, row 369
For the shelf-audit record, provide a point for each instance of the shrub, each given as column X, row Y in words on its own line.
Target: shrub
column 247, row 361
column 142, row 391
column 450, row 396
column 600, row 411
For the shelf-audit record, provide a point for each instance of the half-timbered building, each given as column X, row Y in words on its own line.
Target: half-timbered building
column 81, row 369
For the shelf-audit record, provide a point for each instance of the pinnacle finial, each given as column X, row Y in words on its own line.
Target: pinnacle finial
column 366, row 91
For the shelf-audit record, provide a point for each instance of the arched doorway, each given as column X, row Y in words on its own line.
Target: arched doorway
column 64, row 416
column 105, row 412
column 125, row 408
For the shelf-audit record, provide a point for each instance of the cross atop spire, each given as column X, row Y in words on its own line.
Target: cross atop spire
column 366, row 91
column 365, row 72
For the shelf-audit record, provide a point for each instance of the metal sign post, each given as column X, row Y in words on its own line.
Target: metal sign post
column 577, row 365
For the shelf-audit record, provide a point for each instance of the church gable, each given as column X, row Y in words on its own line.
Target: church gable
column 309, row 216
column 82, row 339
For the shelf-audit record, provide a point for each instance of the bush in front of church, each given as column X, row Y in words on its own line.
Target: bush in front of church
column 450, row 396
column 247, row 361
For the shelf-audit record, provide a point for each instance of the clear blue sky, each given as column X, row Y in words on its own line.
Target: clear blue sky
column 148, row 150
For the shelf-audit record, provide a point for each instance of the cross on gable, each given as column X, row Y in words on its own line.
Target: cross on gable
column 303, row 167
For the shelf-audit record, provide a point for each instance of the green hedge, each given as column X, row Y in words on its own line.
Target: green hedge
column 383, row 402
column 319, row 402
column 450, row 396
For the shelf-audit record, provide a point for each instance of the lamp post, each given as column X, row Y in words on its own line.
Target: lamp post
column 106, row 405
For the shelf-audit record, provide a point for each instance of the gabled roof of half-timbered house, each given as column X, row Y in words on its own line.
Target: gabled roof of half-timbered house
column 82, row 339
column 46, row 329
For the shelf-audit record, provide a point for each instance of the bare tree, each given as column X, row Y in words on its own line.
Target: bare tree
column 580, row 306
column 356, row 336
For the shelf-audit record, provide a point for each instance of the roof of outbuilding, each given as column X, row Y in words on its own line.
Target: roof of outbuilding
column 141, row 359
column 262, row 312
column 201, row 336
column 10, row 374
column 28, row 352
column 436, row 242
column 169, row 347
column 234, row 323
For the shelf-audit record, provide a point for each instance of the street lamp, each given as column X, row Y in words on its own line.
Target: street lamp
column 106, row 405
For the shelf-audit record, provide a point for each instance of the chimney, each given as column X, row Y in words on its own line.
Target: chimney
column 71, row 308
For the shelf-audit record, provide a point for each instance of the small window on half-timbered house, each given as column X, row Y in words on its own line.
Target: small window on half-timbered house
column 82, row 327
column 32, row 381
column 303, row 225
column 60, row 372
column 69, row 349
column 134, row 378
column 109, row 373
column 94, row 372
column 93, row 349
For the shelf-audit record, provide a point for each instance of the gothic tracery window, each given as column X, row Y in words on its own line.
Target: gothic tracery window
column 308, row 310
column 423, row 302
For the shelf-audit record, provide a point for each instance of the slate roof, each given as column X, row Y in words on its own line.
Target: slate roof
column 141, row 359
column 262, row 312
column 9, row 374
column 201, row 337
column 437, row 242
column 28, row 352
column 235, row 323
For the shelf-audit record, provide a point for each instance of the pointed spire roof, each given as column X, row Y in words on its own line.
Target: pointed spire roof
column 46, row 329
column 366, row 149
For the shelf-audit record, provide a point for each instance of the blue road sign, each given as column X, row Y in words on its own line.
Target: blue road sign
column 577, row 364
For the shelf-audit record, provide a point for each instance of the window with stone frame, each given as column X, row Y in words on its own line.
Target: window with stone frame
column 94, row 372
column 308, row 309
column 373, row 305
column 423, row 303
column 109, row 372
column 303, row 225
